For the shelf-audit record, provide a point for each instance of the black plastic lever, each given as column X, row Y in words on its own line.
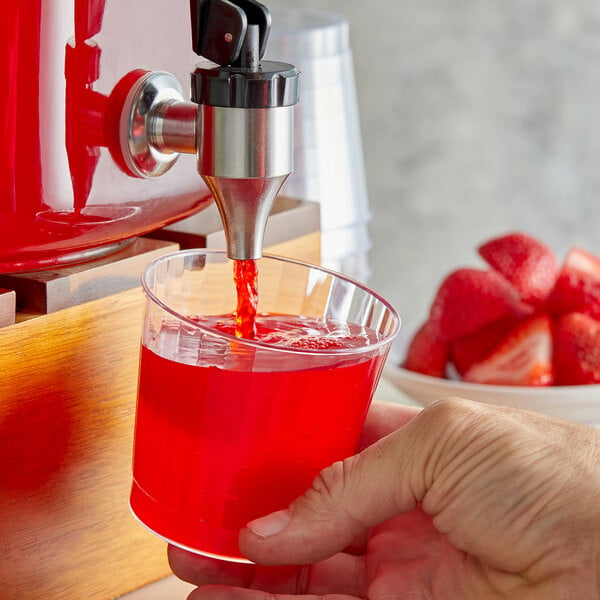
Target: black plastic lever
column 220, row 27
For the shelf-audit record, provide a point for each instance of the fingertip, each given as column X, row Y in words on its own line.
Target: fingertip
column 270, row 525
column 200, row 570
column 181, row 562
column 302, row 541
column 268, row 551
column 258, row 549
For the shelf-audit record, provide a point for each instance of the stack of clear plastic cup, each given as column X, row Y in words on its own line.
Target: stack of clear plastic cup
column 328, row 155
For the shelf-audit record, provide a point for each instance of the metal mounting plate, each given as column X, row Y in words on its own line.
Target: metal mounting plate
column 142, row 102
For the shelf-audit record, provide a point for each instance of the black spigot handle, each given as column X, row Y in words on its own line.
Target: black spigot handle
column 220, row 29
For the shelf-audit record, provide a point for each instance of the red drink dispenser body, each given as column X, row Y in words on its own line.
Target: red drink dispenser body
column 68, row 64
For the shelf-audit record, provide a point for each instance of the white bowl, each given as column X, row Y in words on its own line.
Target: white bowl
column 580, row 403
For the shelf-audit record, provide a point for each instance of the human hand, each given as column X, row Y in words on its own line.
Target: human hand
column 464, row 501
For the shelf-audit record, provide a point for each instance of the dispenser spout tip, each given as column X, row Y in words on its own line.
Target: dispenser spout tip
column 245, row 205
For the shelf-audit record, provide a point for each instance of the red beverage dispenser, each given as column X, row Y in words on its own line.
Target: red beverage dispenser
column 92, row 112
column 67, row 66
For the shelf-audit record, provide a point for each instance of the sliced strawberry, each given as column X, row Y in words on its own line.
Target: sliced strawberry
column 524, row 357
column 427, row 353
column 577, row 350
column 577, row 288
column 478, row 345
column 527, row 263
column 469, row 299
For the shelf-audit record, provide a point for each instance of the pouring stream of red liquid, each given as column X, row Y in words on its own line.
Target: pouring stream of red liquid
column 245, row 276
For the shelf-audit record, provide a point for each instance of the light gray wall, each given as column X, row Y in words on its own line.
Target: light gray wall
column 478, row 117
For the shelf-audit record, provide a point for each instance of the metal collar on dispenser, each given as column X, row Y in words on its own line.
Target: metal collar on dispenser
column 234, row 36
column 274, row 85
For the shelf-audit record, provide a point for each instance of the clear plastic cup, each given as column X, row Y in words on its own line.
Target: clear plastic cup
column 230, row 429
column 328, row 151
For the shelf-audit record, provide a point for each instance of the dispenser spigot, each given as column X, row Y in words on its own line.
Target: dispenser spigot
column 239, row 123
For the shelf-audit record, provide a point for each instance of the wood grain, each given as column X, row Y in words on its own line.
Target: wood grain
column 8, row 307
column 66, row 422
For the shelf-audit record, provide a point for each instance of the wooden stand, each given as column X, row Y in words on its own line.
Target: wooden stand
column 51, row 290
column 8, row 307
column 67, row 404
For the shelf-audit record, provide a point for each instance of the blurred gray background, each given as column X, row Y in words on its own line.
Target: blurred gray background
column 478, row 117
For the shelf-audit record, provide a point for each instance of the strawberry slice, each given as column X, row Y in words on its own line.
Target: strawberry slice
column 476, row 346
column 577, row 350
column 577, row 288
column 524, row 357
column 469, row 299
column 427, row 353
column 527, row 263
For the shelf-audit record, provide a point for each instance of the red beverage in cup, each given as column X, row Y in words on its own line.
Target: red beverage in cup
column 230, row 429
column 221, row 447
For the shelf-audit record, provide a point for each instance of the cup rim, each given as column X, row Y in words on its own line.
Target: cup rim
column 264, row 345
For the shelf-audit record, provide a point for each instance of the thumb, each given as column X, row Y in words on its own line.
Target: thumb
column 344, row 501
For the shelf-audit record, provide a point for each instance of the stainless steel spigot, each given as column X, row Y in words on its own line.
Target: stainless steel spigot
column 240, row 123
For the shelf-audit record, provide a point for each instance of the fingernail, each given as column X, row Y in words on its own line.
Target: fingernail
column 271, row 524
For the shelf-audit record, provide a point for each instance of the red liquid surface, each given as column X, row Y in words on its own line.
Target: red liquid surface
column 217, row 447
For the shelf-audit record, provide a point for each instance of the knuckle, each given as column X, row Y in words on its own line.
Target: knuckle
column 456, row 415
column 330, row 482
column 449, row 406
column 332, row 492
